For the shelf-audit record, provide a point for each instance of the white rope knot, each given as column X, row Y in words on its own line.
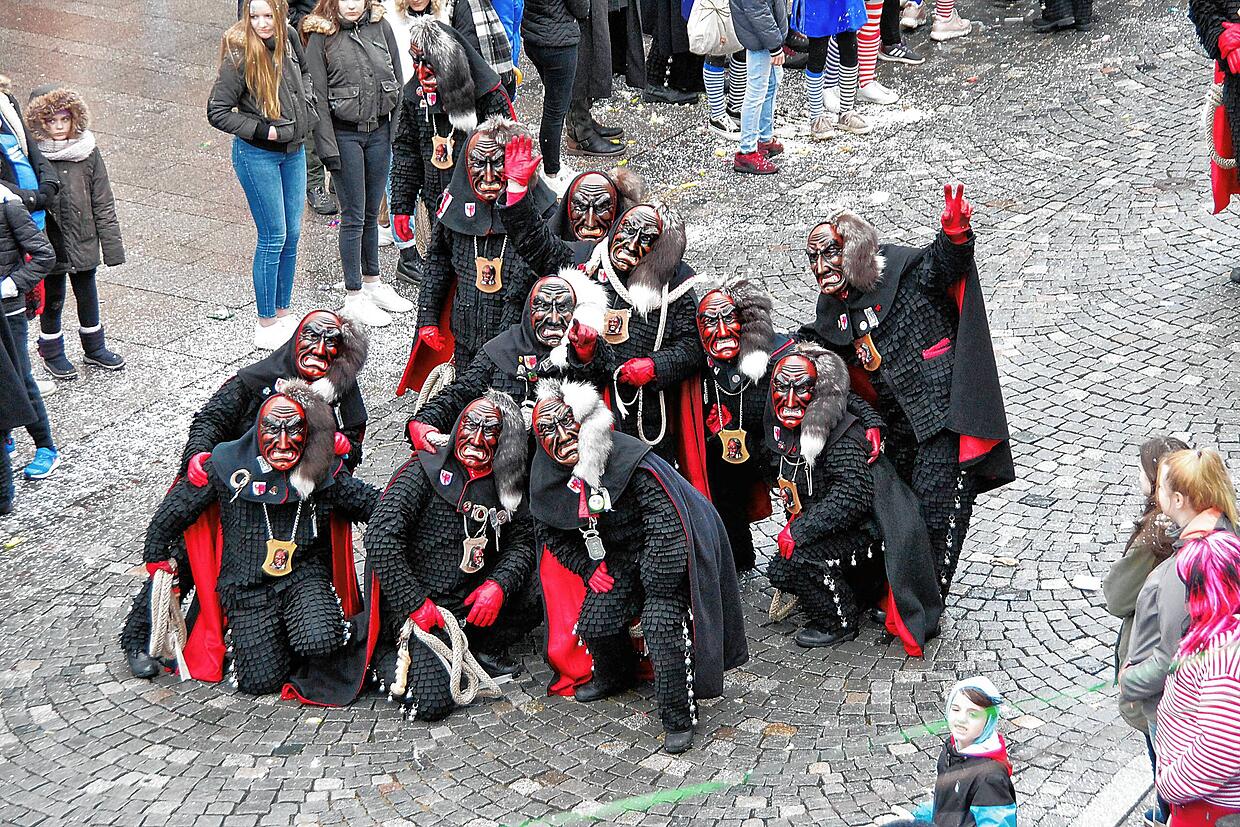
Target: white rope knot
column 1214, row 99
column 168, row 633
column 467, row 679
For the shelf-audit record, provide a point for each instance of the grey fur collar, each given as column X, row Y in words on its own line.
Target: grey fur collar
column 509, row 462
column 830, row 400
column 656, row 269
column 753, row 307
column 457, row 92
column 320, row 449
column 348, row 364
column 863, row 266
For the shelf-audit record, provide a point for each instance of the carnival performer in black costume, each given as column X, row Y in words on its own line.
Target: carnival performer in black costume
column 650, row 323
column 327, row 351
column 453, row 89
column 475, row 277
column 594, row 201
column 556, row 339
column 912, row 324
column 275, row 576
column 646, row 544
column 839, row 506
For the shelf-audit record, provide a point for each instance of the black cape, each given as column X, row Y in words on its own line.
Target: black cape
column 251, row 478
column 15, row 407
column 261, row 377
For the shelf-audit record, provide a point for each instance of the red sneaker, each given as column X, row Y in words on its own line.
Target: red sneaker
column 754, row 163
column 770, row 148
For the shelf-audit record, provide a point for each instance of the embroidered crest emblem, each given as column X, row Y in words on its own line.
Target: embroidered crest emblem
column 259, row 488
column 445, row 477
column 574, row 484
column 470, row 209
column 843, row 321
column 432, row 98
column 443, row 204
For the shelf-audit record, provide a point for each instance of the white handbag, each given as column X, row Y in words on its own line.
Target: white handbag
column 710, row 28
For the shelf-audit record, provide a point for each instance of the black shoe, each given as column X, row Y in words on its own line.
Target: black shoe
column 409, row 266
column 596, row 690
column 593, row 145
column 675, row 743
column 734, row 114
column 1235, row 275
column 812, row 638
column 6, row 509
column 607, row 132
column 497, row 665
column 878, row 616
column 142, row 665
column 665, row 94
column 322, row 201
column 1057, row 25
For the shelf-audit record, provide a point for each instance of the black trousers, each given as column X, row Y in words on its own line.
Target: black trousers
column 365, row 158
column 85, row 295
column 845, row 42
column 557, row 67
column 889, row 23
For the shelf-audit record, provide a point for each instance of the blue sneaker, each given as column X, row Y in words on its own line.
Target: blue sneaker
column 44, row 463
column 10, row 444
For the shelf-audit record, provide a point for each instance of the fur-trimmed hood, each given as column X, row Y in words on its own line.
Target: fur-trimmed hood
column 657, row 268
column 595, row 420
column 317, row 24
column 753, row 310
column 319, row 455
column 630, row 191
column 347, row 366
column 591, row 305
column 509, row 463
column 863, row 265
column 51, row 98
column 830, row 400
column 443, row 48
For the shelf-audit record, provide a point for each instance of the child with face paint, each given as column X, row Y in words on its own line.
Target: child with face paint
column 81, row 220
column 974, row 785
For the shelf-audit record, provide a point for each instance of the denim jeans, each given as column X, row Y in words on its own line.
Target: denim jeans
column 365, row 158
column 557, row 67
column 41, row 429
column 274, row 184
column 1163, row 808
column 758, row 111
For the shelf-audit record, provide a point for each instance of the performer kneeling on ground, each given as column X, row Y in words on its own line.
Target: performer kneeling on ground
column 274, row 580
column 619, row 519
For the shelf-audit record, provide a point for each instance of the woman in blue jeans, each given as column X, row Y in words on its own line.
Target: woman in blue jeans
column 263, row 96
column 761, row 26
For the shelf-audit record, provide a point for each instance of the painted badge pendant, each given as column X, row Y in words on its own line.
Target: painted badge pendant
column 490, row 274
column 279, row 560
column 441, row 151
column 867, row 353
column 789, row 496
column 473, row 554
column 734, row 448
column 616, row 326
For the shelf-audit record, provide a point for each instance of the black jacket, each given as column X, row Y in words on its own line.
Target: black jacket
column 553, row 23
column 82, row 216
column 231, row 108
column 19, row 237
column 357, row 75
column 44, row 172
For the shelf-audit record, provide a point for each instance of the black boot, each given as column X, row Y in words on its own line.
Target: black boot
column 497, row 664
column 675, row 743
column 615, row 668
column 1056, row 16
column 608, row 132
column 53, row 353
column 592, row 144
column 812, row 637
column 409, row 266
column 322, row 201
column 142, row 665
column 1083, row 11
column 96, row 352
column 666, row 94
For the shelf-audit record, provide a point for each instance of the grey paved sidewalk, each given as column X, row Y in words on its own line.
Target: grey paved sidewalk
column 1113, row 320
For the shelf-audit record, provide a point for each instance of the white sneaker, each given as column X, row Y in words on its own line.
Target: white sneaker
column 914, row 15
column 875, row 92
column 46, row 387
column 359, row 306
column 948, row 28
column 385, row 236
column 727, row 128
column 831, row 100
column 822, row 128
column 854, row 123
column 270, row 337
column 385, row 298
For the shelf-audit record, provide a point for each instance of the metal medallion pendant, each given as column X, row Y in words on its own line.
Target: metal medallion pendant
column 616, row 326
column 490, row 274
column 867, row 353
column 473, row 554
column 789, row 496
column 441, row 151
column 594, row 543
column 734, row 449
column 279, row 560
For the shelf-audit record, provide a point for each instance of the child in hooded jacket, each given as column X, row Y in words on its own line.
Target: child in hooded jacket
column 81, row 220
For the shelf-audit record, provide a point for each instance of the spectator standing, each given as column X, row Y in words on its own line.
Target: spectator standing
column 831, row 23
column 263, row 96
column 551, row 33
column 81, row 220
column 673, row 72
column 355, row 67
column 592, row 82
column 761, row 26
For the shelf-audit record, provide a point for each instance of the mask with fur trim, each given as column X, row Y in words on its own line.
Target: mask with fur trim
column 282, row 432
column 636, row 234
column 552, row 302
column 317, row 343
column 557, row 430
column 825, row 251
column 477, row 435
column 792, row 389
column 719, row 326
column 592, row 202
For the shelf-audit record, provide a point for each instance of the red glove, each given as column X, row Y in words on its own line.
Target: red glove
column 583, row 338
column 432, row 337
column 520, row 166
column 601, row 582
column 486, row 601
column 637, row 372
column 418, row 433
column 1229, row 46
column 165, row 565
column 401, row 228
column 787, row 545
column 875, row 438
column 343, row 446
column 194, row 472
column 956, row 215
column 427, row 616
column 718, row 418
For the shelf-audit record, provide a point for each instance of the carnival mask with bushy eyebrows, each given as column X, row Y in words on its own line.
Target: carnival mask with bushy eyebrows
column 635, row 235
column 719, row 326
column 557, row 431
column 825, row 251
column 423, row 71
column 478, row 434
column 317, row 343
column 792, row 389
column 281, row 432
column 551, row 309
column 592, row 201
column 484, row 161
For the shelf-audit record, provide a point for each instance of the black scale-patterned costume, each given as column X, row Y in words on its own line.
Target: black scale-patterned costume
column 272, row 619
column 414, row 545
column 680, row 356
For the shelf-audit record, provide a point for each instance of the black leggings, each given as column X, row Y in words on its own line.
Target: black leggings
column 846, row 42
column 557, row 67
column 889, row 23
column 85, row 293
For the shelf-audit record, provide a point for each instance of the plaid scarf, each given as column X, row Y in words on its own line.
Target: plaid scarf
column 496, row 48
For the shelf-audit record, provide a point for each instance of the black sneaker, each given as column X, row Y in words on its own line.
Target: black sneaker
column 322, row 201
column 899, row 53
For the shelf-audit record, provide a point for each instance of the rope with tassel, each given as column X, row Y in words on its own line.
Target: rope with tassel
column 466, row 678
column 168, row 632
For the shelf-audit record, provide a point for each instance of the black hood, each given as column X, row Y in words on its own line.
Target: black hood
column 462, row 211
column 551, row 500
column 451, row 481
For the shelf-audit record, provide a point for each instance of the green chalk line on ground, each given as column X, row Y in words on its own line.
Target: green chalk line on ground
column 636, row 803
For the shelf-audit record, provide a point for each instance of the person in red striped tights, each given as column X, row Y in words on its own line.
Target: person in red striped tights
column 947, row 25
column 1198, row 733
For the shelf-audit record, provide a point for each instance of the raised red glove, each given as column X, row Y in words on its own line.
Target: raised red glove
column 601, row 582
column 718, row 418
column 401, row 228
column 787, row 545
column 637, row 372
column 432, row 337
column 583, row 338
column 427, row 616
column 418, row 436
column 486, row 601
column 875, row 437
column 342, row 446
column 163, row 565
column 957, row 214
column 520, row 166
column 194, row 472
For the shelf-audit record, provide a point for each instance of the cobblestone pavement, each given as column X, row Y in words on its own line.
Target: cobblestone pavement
column 1113, row 320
